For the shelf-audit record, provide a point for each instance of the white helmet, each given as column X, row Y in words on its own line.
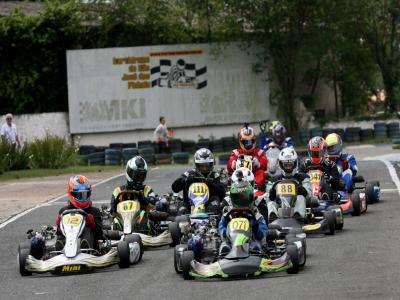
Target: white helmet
column 243, row 174
column 204, row 161
column 288, row 162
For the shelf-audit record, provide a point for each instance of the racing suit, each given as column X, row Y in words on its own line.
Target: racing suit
column 303, row 194
column 146, row 197
column 328, row 167
column 287, row 142
column 217, row 189
column 347, row 166
column 259, row 165
column 258, row 225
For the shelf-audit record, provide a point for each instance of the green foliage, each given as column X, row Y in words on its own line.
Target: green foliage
column 52, row 152
column 13, row 157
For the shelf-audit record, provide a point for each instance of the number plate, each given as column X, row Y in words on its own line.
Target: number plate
column 72, row 220
column 239, row 224
column 127, row 206
column 286, row 189
column 198, row 189
column 315, row 176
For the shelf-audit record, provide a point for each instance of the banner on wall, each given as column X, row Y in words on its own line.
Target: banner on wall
column 119, row 89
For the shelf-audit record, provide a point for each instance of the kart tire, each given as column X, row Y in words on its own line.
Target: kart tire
column 22, row 255
column 175, row 232
column 186, row 259
column 292, row 240
column 369, row 191
column 135, row 238
column 123, row 254
column 25, row 244
column 339, row 225
column 294, row 257
column 331, row 218
column 355, row 199
column 177, row 263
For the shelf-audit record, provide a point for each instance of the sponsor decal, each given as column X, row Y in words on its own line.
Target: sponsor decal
column 312, row 227
column 71, row 268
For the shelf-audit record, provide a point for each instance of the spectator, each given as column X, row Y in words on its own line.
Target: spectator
column 161, row 136
column 8, row 131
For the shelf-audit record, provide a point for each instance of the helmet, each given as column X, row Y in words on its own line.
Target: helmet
column 334, row 145
column 273, row 125
column 288, row 162
column 204, row 161
column 279, row 133
column 247, row 139
column 244, row 174
column 136, row 171
column 79, row 191
column 242, row 194
column 317, row 149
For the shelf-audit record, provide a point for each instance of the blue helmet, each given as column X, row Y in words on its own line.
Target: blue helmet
column 334, row 145
column 279, row 133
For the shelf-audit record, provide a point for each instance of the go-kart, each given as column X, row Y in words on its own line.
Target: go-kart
column 282, row 211
column 129, row 219
column 238, row 258
column 73, row 258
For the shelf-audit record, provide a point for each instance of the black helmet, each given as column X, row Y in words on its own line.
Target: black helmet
column 136, row 171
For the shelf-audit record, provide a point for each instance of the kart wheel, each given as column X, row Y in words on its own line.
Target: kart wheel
column 175, row 232
column 331, row 218
column 355, row 199
column 186, row 259
column 135, row 238
column 294, row 258
column 292, row 241
column 22, row 255
column 369, row 192
column 123, row 254
column 339, row 217
column 177, row 257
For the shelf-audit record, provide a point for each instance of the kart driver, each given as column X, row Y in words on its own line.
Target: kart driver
column 203, row 172
column 247, row 142
column 279, row 138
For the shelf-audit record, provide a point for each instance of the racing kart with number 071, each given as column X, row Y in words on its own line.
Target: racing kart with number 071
column 74, row 258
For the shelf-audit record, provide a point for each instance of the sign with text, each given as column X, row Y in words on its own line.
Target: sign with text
column 119, row 89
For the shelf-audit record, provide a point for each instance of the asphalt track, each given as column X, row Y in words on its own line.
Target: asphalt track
column 361, row 262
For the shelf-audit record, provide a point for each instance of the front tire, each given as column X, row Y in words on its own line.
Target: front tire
column 186, row 259
column 123, row 254
column 294, row 258
column 177, row 258
column 356, row 201
column 23, row 253
column 331, row 218
column 135, row 238
column 176, row 234
column 369, row 191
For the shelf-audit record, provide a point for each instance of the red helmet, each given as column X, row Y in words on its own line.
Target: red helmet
column 247, row 139
column 317, row 149
column 79, row 191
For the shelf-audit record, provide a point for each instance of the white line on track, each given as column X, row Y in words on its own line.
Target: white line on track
column 389, row 190
column 392, row 173
column 17, row 216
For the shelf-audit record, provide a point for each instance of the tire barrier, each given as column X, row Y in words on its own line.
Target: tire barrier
column 393, row 130
column 129, row 145
column 217, row 146
column 96, row 158
column 203, row 143
column 163, row 158
column 113, row 156
column 116, row 146
column 352, row 134
column 181, row 157
column 189, row 146
column 366, row 134
column 86, row 149
column 148, row 155
column 316, row 131
column 229, row 143
column 380, row 130
column 175, row 145
column 145, row 144
column 128, row 153
column 304, row 135
column 223, row 159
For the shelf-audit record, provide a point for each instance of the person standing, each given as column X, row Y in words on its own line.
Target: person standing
column 161, row 136
column 8, row 131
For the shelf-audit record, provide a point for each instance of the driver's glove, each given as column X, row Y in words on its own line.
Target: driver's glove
column 301, row 190
column 272, row 194
column 256, row 163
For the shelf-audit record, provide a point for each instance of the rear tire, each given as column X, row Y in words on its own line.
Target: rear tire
column 369, row 191
column 294, row 258
column 176, row 234
column 123, row 254
column 338, row 225
column 135, row 238
column 177, row 259
column 331, row 218
column 186, row 259
column 23, row 253
column 292, row 240
column 356, row 201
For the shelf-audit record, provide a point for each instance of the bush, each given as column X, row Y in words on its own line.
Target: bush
column 52, row 152
column 13, row 157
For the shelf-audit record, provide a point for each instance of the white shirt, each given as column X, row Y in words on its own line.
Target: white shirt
column 9, row 132
column 160, row 134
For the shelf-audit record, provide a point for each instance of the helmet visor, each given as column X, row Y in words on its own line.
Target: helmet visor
column 204, row 168
column 81, row 196
column 288, row 165
column 247, row 143
column 137, row 176
column 333, row 149
column 317, row 155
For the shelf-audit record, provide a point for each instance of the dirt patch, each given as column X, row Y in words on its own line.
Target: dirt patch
column 21, row 194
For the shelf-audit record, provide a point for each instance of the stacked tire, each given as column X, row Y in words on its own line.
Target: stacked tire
column 393, row 130
column 181, row 157
column 148, row 155
column 217, row 146
column 366, row 134
column 316, row 131
column 175, row 145
column 84, row 152
column 113, row 156
column 203, row 143
column 380, row 130
column 163, row 158
column 188, row 146
column 145, row 144
column 229, row 143
column 304, row 135
column 96, row 158
column 352, row 134
column 128, row 153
